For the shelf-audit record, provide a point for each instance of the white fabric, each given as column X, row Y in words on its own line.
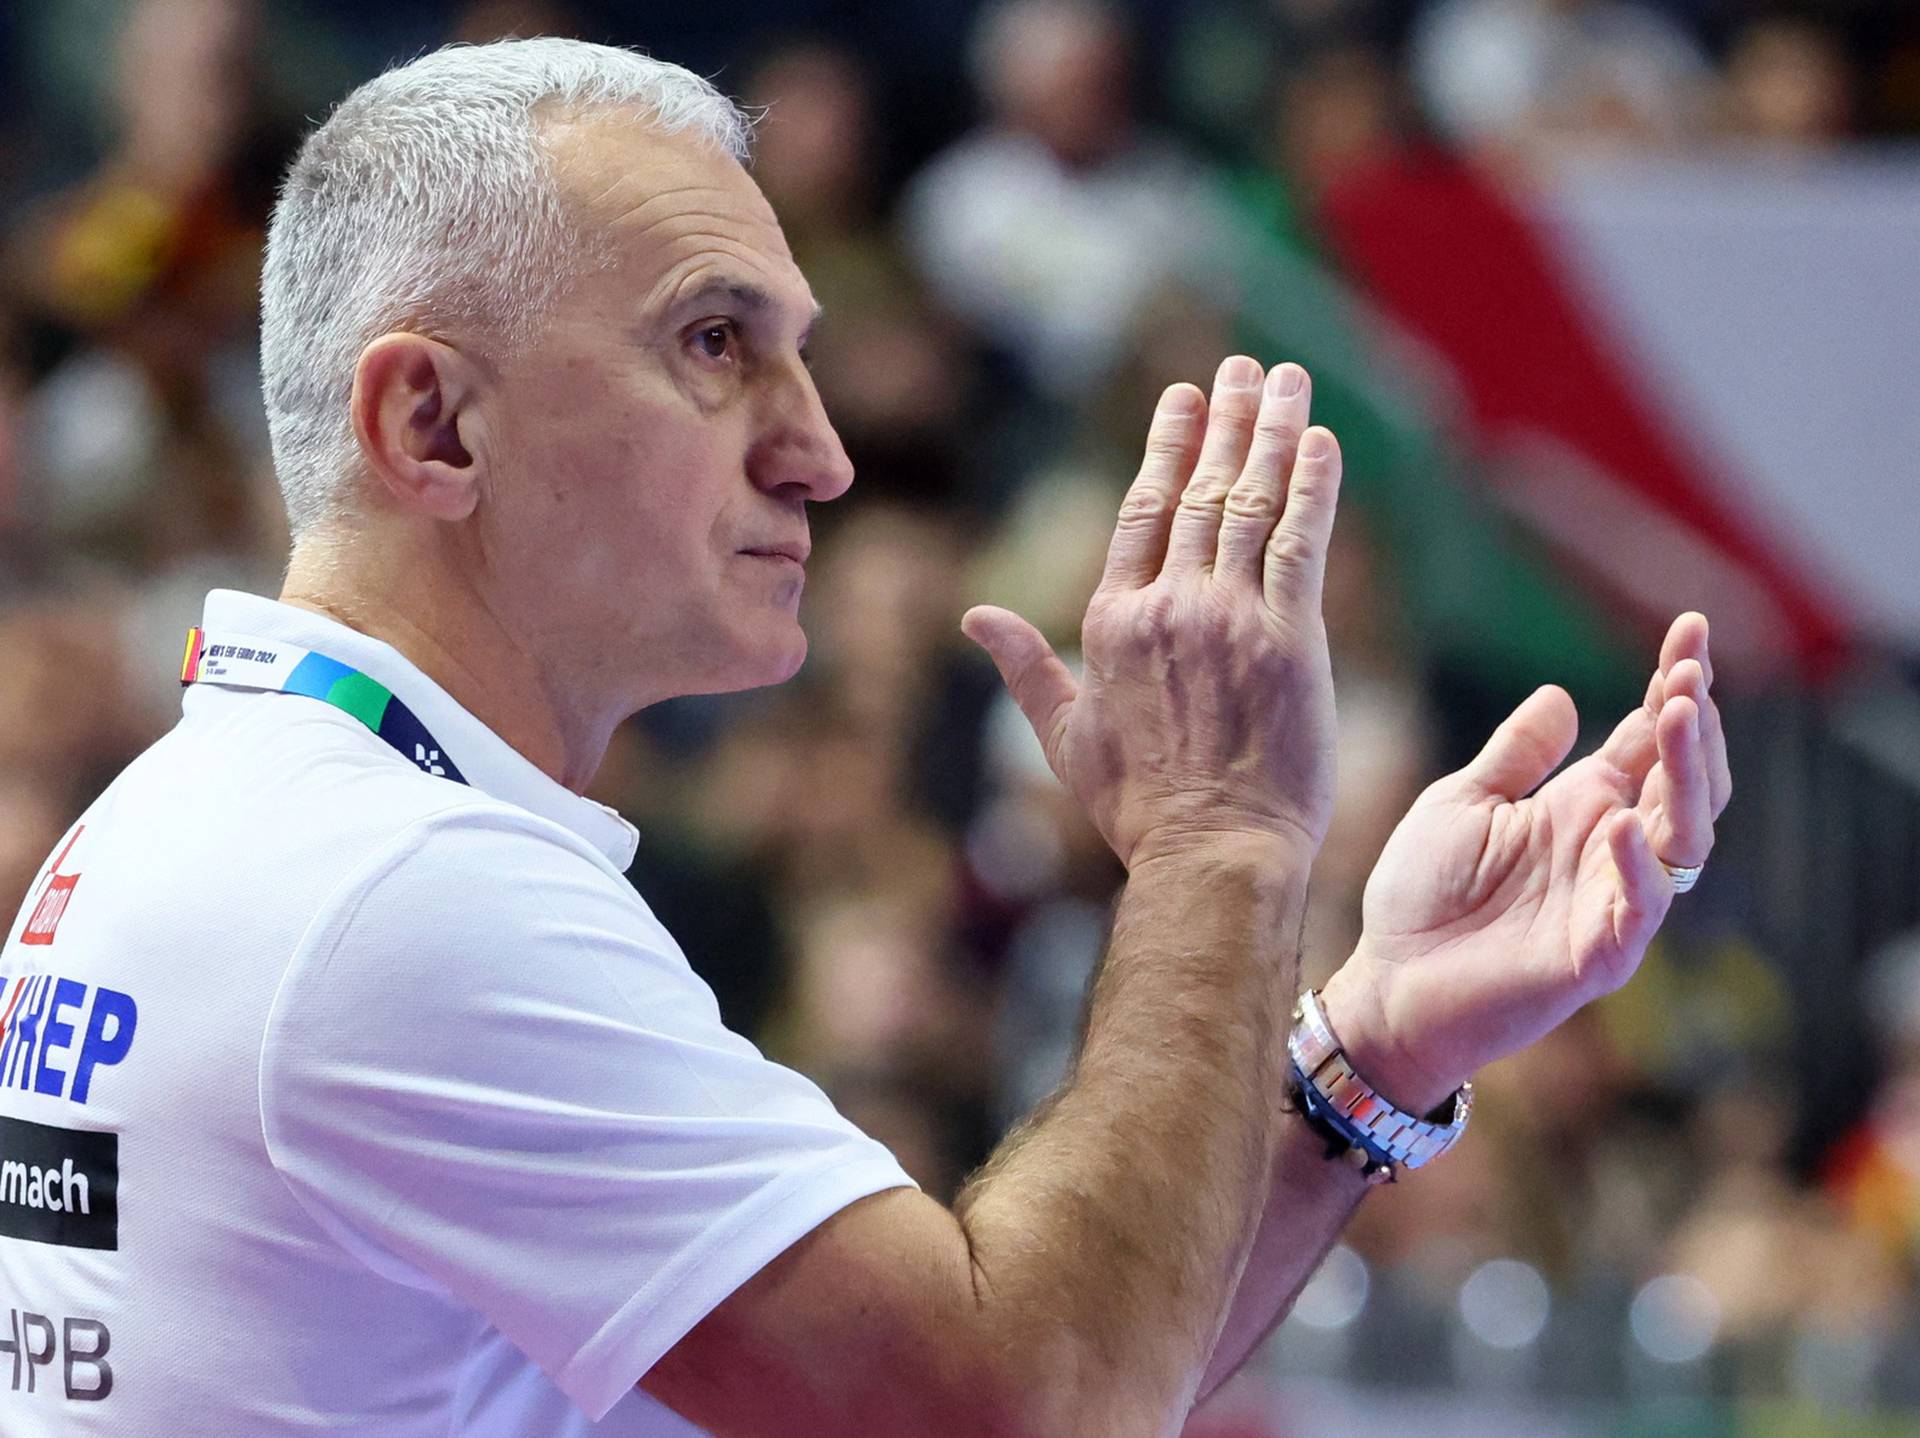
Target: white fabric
column 1729, row 276
column 1493, row 68
column 1055, row 263
column 425, row 1127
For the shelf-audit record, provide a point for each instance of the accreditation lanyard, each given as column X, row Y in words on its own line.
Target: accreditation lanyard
column 242, row 661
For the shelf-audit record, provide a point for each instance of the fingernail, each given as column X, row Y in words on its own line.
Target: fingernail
column 1286, row 379
column 1314, row 444
column 1239, row 372
column 1181, row 400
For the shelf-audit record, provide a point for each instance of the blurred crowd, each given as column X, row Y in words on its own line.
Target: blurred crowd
column 1022, row 220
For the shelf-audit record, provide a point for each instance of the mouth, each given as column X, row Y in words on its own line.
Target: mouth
column 797, row 553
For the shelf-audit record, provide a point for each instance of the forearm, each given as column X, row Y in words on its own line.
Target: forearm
column 1308, row 1204
column 1109, row 1233
column 1312, row 1196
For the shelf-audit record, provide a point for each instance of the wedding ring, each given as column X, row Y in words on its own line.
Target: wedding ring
column 1684, row 876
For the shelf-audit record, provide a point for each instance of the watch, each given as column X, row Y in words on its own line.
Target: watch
column 1358, row 1124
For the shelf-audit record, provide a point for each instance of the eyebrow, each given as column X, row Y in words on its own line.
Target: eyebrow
column 748, row 296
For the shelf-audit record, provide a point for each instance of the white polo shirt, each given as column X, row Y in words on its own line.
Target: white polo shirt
column 340, row 1097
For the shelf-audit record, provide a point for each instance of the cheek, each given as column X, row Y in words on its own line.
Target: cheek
column 628, row 478
column 644, row 504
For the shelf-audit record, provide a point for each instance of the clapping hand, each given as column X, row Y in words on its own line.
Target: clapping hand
column 1206, row 709
column 1502, row 903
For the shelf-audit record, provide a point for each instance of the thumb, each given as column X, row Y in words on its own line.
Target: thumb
column 1040, row 684
column 1527, row 747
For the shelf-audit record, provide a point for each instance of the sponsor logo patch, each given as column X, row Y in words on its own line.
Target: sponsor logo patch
column 56, row 1034
column 59, row 1185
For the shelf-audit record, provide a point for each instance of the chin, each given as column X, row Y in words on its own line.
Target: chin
column 789, row 663
column 759, row 662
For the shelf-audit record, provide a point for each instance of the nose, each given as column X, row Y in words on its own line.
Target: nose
column 801, row 455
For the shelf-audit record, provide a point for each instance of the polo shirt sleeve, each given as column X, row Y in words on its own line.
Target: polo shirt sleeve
column 489, row 1072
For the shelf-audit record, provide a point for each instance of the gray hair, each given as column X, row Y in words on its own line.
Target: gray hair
column 428, row 199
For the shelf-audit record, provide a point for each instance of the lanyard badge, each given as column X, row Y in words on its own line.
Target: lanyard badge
column 241, row 661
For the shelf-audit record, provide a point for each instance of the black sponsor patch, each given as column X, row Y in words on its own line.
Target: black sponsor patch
column 59, row 1185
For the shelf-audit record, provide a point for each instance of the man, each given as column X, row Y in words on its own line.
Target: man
column 352, row 1090
column 1053, row 224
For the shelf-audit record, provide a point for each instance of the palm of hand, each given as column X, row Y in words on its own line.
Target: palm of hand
column 1501, row 916
column 1497, row 909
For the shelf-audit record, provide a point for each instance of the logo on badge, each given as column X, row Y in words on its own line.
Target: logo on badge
column 55, row 894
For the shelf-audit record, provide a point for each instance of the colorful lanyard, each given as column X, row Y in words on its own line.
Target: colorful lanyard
column 242, row 661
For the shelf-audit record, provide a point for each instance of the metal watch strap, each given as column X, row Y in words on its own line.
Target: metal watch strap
column 1380, row 1138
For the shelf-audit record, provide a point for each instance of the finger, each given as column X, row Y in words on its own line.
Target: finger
column 1645, row 891
column 1295, row 568
column 1713, row 736
column 1682, row 831
column 1693, row 678
column 1173, row 443
column 1719, row 765
column 1254, row 502
column 1689, row 680
column 1686, row 639
column 1196, row 523
column 1630, row 748
column 1040, row 684
column 1527, row 747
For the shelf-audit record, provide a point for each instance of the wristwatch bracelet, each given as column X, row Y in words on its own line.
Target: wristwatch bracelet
column 1358, row 1124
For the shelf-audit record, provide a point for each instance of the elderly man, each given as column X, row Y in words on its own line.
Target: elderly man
column 348, row 1088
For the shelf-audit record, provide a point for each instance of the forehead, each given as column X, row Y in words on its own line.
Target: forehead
column 676, row 210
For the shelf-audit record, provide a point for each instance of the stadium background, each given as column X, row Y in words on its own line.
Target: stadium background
column 1613, row 307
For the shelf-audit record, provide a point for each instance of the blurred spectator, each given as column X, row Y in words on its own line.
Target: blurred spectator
column 1339, row 110
column 1385, row 742
column 66, row 715
column 145, row 442
column 34, row 812
column 1227, row 57
column 1895, row 82
column 1047, row 875
column 872, row 993
column 884, row 599
column 483, row 20
column 814, row 152
column 1875, row 1171
column 1789, row 85
column 13, row 400
column 889, row 367
column 1051, row 225
column 1526, row 75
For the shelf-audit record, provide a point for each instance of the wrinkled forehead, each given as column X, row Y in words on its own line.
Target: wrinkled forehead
column 668, row 207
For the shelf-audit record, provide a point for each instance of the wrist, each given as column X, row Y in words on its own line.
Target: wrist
column 1357, row 1012
column 1359, row 1123
column 1279, row 851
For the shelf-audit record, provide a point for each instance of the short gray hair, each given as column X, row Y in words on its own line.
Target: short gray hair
column 428, row 199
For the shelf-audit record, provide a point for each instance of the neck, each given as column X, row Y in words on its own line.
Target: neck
column 446, row 629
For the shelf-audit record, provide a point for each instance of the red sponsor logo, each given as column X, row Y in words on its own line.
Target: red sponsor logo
column 55, row 894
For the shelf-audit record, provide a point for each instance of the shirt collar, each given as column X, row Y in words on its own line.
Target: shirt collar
column 489, row 763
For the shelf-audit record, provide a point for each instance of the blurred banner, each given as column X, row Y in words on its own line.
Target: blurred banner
column 1615, row 328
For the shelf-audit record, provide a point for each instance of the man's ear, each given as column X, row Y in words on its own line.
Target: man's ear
column 415, row 413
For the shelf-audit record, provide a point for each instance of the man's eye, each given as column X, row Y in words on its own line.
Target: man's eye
column 714, row 341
